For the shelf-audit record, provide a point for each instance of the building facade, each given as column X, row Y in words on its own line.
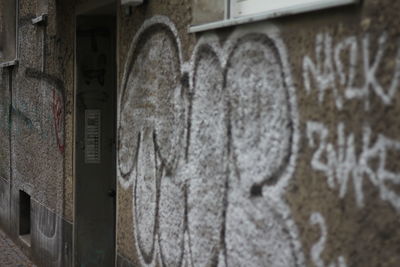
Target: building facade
column 201, row 133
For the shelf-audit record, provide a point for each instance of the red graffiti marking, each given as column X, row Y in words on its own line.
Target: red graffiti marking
column 58, row 115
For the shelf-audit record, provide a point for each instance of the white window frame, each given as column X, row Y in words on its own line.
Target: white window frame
column 268, row 13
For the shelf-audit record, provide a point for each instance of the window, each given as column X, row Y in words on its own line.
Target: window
column 8, row 33
column 209, row 14
column 131, row 2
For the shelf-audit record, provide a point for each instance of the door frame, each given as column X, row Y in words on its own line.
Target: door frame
column 82, row 9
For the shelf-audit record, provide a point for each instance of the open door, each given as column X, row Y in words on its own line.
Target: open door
column 95, row 175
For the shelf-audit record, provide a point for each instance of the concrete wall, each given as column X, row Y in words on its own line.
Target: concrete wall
column 269, row 144
column 33, row 110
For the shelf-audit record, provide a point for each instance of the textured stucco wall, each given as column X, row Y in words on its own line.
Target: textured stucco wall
column 4, row 126
column 33, row 111
column 4, row 150
column 269, row 144
column 345, row 198
column 205, row 11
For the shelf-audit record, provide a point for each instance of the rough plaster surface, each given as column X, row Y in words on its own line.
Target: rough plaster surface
column 205, row 11
column 32, row 119
column 271, row 174
column 38, row 116
column 4, row 125
column 222, row 183
column 347, row 212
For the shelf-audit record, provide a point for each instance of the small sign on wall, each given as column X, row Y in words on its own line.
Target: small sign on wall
column 241, row 8
column 92, row 136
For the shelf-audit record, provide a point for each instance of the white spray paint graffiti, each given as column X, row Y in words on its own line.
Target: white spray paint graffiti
column 184, row 210
column 207, row 155
column 328, row 71
column 151, row 147
column 341, row 164
column 47, row 231
column 263, row 127
column 317, row 250
column 4, row 202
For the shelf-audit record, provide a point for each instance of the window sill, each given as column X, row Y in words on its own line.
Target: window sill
column 9, row 63
column 301, row 8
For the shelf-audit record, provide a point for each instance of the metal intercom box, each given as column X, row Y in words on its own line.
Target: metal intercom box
column 92, row 136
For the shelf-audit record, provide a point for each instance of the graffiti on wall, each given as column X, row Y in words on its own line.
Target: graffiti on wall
column 4, row 203
column 318, row 248
column 349, row 159
column 54, row 104
column 38, row 112
column 53, row 110
column 207, row 158
column 47, row 233
column 337, row 66
column 340, row 161
column 58, row 118
column 342, row 164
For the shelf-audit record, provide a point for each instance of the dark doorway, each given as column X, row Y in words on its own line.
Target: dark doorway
column 95, row 177
column 25, row 217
